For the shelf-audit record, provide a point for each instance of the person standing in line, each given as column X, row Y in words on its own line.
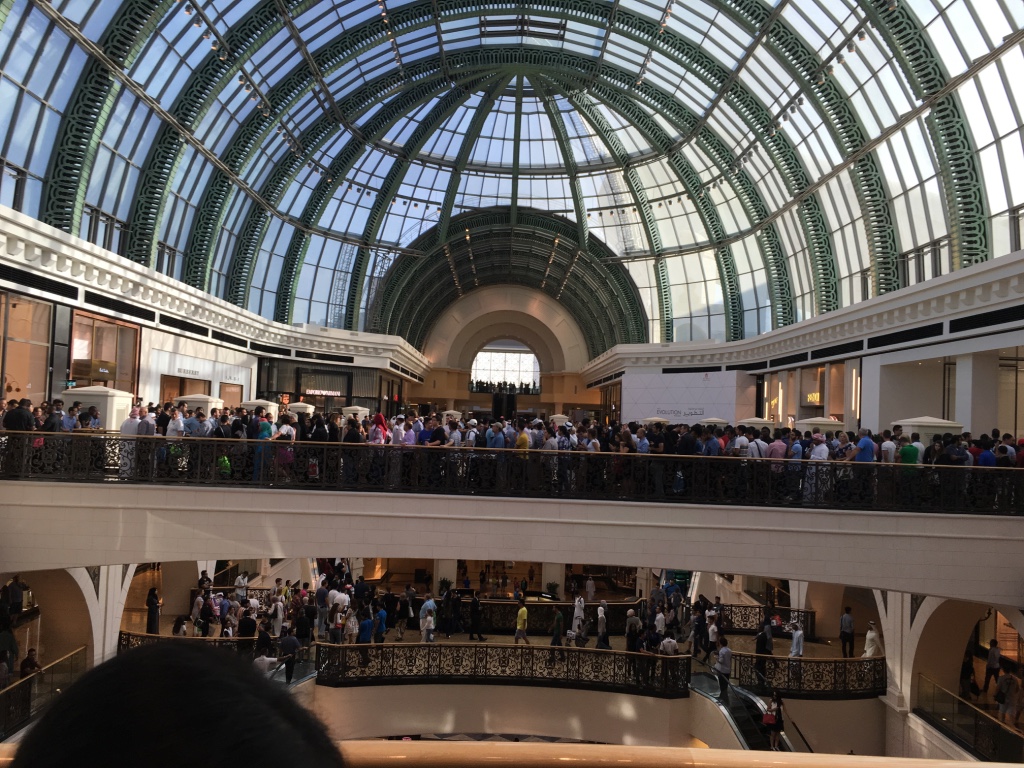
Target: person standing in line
column 872, row 647
column 289, row 649
column 475, row 617
column 521, row 619
column 242, row 586
column 796, row 645
column 723, row 667
column 577, row 613
column 591, row 589
column 992, row 664
column 1007, row 693
column 153, row 612
column 773, row 719
column 846, row 633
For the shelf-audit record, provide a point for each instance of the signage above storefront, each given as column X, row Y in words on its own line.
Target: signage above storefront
column 323, row 392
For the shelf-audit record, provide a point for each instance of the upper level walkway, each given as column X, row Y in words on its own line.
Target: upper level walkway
column 83, row 501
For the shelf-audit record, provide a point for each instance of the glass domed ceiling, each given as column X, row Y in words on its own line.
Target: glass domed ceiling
column 710, row 168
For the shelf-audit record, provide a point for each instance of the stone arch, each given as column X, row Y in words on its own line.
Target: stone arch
column 66, row 615
column 507, row 311
column 937, row 638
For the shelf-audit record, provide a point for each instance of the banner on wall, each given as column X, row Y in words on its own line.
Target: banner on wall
column 687, row 397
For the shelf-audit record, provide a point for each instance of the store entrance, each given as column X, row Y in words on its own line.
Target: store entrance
column 173, row 387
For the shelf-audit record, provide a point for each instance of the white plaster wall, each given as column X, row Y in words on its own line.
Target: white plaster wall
column 837, row 726
column 966, row 557
column 907, row 735
column 892, row 391
column 687, row 397
column 167, row 354
column 610, row 718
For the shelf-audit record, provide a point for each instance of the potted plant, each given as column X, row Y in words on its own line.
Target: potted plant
column 552, row 588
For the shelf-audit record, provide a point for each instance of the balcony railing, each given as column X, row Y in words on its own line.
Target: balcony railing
column 809, row 678
column 511, row 473
column 664, row 677
column 26, row 698
column 973, row 729
column 747, row 619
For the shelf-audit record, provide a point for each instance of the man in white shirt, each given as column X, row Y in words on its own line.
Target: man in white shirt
column 409, row 438
column 888, row 448
column 916, row 442
column 242, row 586
column 471, row 434
column 263, row 664
column 741, row 445
column 343, row 599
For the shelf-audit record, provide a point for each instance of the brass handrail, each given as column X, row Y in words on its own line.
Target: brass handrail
column 782, row 462
column 470, row 754
column 978, row 710
column 52, row 664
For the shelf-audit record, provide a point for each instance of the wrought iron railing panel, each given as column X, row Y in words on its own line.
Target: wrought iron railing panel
column 746, row 619
column 244, row 646
column 810, row 678
column 510, row 473
column 538, row 665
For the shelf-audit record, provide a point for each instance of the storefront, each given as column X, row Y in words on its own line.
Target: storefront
column 173, row 375
column 818, row 391
column 25, row 334
column 104, row 352
column 330, row 388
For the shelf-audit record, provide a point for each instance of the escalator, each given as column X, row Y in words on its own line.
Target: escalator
column 743, row 709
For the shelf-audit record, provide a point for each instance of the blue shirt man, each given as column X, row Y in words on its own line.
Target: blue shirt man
column 365, row 631
column 69, row 422
column 865, row 448
column 382, row 624
column 495, row 439
column 428, row 605
column 986, row 458
column 643, row 445
column 712, row 447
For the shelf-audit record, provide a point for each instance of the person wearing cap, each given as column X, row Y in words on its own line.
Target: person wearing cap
column 871, row 645
column 471, row 434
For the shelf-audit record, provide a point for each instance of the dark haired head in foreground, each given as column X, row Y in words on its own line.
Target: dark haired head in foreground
column 176, row 704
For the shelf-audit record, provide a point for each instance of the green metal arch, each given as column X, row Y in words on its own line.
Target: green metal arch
column 603, row 280
column 604, row 132
column 691, row 182
column 546, row 61
column 962, row 183
column 417, row 15
column 253, row 230
column 438, row 114
column 87, row 113
column 803, row 65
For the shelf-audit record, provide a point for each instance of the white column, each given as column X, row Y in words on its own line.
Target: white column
column 977, row 391
column 105, row 604
column 444, row 569
column 553, row 572
column 797, row 594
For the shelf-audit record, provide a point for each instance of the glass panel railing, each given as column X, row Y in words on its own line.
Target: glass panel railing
column 972, row 728
column 25, row 699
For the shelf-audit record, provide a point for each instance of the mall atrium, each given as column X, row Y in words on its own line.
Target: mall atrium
column 800, row 214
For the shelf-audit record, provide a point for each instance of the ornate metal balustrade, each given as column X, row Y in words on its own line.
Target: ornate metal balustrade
column 243, row 646
column 665, row 677
column 809, row 678
column 748, row 619
column 511, row 473
column 25, row 699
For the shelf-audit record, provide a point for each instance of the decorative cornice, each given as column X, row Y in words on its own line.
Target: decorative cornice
column 981, row 288
column 39, row 248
